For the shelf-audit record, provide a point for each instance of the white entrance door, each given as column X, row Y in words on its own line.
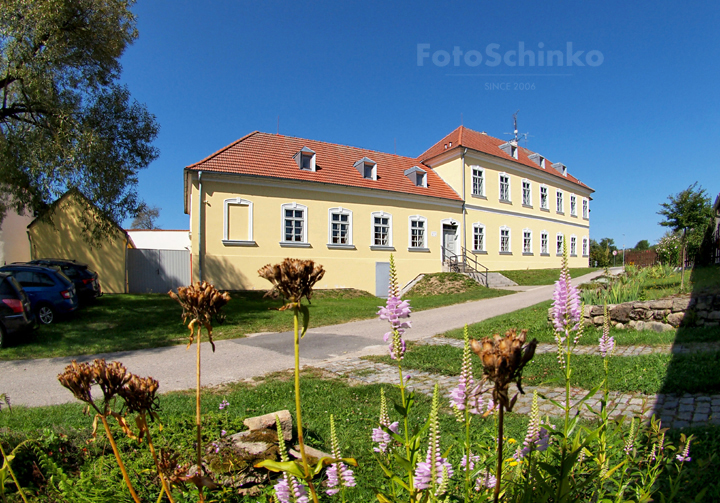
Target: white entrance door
column 450, row 239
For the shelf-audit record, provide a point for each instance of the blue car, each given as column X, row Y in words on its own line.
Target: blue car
column 49, row 290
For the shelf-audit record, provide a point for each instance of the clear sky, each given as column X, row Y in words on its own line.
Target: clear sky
column 639, row 120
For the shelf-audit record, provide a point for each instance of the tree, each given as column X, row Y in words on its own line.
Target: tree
column 686, row 212
column 642, row 245
column 65, row 120
column 602, row 252
column 145, row 219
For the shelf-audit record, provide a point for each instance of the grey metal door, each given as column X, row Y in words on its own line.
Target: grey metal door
column 157, row 271
column 382, row 279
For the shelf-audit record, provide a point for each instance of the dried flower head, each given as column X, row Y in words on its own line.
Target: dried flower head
column 140, row 394
column 78, row 378
column 293, row 278
column 201, row 303
column 503, row 360
column 110, row 377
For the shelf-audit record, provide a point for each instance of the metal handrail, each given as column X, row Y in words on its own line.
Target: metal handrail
column 477, row 265
column 452, row 260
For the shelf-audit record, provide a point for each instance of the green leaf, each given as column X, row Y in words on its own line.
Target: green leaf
column 401, row 482
column 290, row 467
column 306, row 319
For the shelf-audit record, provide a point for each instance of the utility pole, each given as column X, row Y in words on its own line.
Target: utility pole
column 623, row 252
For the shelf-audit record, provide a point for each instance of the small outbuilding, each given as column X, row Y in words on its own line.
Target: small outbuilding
column 60, row 233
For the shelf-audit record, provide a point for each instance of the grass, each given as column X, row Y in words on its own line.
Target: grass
column 534, row 318
column 356, row 411
column 647, row 374
column 529, row 277
column 129, row 322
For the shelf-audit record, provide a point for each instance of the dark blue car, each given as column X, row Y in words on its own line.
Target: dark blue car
column 49, row 290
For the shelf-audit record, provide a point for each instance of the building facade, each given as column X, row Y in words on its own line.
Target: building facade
column 266, row 197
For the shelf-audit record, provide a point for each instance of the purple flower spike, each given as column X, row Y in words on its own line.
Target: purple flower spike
column 607, row 343
column 566, row 300
column 684, row 456
column 395, row 311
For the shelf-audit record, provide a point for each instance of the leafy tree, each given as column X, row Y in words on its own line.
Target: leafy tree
column 602, row 252
column 65, row 120
column 687, row 212
column 642, row 245
column 146, row 217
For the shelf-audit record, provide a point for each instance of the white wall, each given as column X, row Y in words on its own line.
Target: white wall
column 160, row 239
column 14, row 242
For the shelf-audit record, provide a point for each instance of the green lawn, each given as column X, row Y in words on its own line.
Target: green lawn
column 127, row 322
column 648, row 374
column 534, row 318
column 543, row 276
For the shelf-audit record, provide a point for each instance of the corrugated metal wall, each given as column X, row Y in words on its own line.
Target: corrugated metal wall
column 157, row 271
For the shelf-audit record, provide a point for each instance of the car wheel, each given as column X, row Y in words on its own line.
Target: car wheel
column 45, row 315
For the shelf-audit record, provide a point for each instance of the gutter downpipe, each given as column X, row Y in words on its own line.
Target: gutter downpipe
column 200, row 226
column 464, row 243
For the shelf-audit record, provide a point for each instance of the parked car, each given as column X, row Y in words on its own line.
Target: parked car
column 86, row 281
column 50, row 291
column 15, row 311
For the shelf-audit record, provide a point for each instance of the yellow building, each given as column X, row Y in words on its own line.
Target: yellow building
column 266, row 197
column 59, row 234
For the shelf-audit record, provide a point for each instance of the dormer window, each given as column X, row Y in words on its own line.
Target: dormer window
column 367, row 168
column 305, row 159
column 560, row 167
column 510, row 148
column 417, row 176
column 537, row 159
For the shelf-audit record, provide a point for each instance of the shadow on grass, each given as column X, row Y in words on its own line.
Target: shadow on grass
column 696, row 413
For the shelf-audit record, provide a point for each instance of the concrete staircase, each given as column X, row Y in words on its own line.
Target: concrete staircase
column 495, row 279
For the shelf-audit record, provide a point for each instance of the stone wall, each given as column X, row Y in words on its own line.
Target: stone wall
column 660, row 315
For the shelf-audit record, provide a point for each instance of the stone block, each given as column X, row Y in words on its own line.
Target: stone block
column 267, row 421
column 658, row 327
column 661, row 304
column 621, row 313
column 598, row 320
column 713, row 315
column 675, row 319
column 594, row 310
column 680, row 304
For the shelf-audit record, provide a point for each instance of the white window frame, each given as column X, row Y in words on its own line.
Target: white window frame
column 418, row 218
column 509, row 236
column 294, row 206
column 585, row 246
column 545, row 206
column 559, row 201
column 586, row 208
column 237, row 201
column 340, row 211
column 381, row 214
column 544, row 243
column 559, row 239
column 481, row 177
column 573, row 245
column 479, row 226
column 573, row 205
column 529, row 192
column 500, row 184
column 529, row 251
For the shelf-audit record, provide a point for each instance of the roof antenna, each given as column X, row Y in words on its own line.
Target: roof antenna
column 517, row 137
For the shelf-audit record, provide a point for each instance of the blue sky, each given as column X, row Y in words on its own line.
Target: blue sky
column 637, row 127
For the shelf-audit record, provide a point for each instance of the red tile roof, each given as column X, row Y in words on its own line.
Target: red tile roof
column 270, row 155
column 481, row 142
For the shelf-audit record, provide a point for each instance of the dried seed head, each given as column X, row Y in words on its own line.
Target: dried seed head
column 78, row 378
column 503, row 360
column 293, row 278
column 110, row 377
column 201, row 303
column 140, row 394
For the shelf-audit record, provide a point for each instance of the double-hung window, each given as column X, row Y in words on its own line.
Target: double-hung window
column 478, row 237
column 559, row 244
column 294, row 223
column 585, row 247
column 504, row 187
column 504, row 239
column 544, row 197
column 478, row 181
column 573, row 205
column 527, row 241
column 585, row 209
column 382, row 229
column 544, row 243
column 526, row 193
column 340, row 227
column 560, row 205
column 573, row 246
column 418, row 229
